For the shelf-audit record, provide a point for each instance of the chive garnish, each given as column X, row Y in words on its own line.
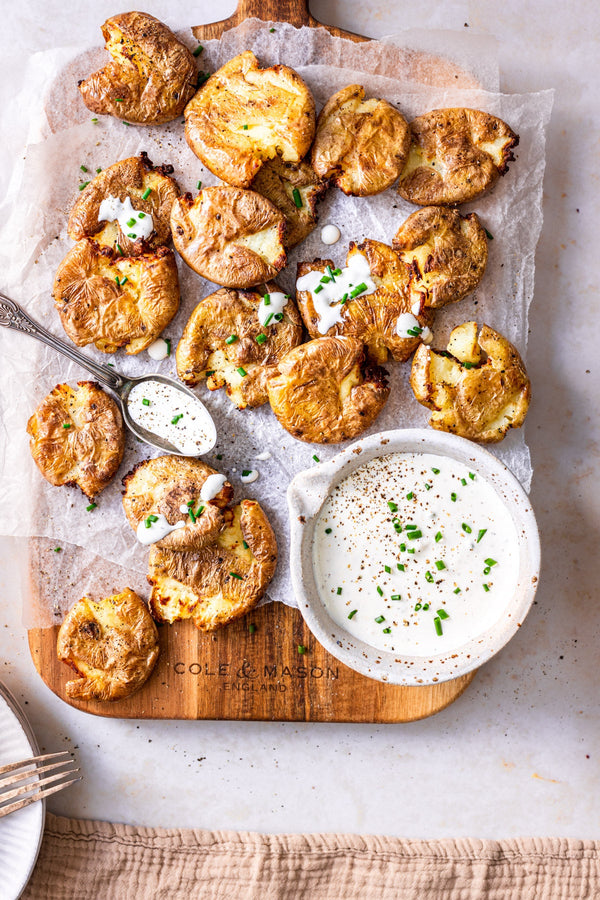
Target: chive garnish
column 297, row 198
column 403, row 547
column 251, row 628
column 325, row 279
column 278, row 317
column 130, row 234
column 91, row 507
column 395, row 597
column 468, row 365
column 438, row 626
column 118, row 99
column 482, row 531
column 83, row 185
column 428, row 487
column 489, row 236
column 123, row 280
column 57, row 549
column 145, row 402
column 176, row 418
column 245, row 127
column 328, row 530
column 202, row 77
column 316, row 458
column 120, row 250
column 208, row 373
column 241, row 371
column 84, row 168
column 339, row 591
column 245, row 473
column 141, row 215
column 198, row 50
column 235, row 575
column 318, row 289
column 413, row 535
column 400, row 567
column 463, row 481
column 387, row 630
column 490, row 562
column 66, row 424
column 301, row 649
column 410, row 495
column 94, row 121
column 453, row 497
column 271, row 30
column 442, row 614
column 352, row 614
column 130, row 223
column 440, row 564
column 98, row 170
column 149, row 520
column 486, row 587
column 337, row 272
column 358, row 290
column 411, row 550
column 344, row 298
column 199, row 186
column 466, row 528
column 117, row 280
column 267, row 299
column 436, row 471
column 268, row 319
column 457, row 590
column 380, row 619
column 231, row 339
column 487, row 570
column 261, row 338
column 379, row 591
column 426, row 606
column 438, row 537
column 146, row 193
column 429, row 577
column 411, row 527
column 414, row 332
column 388, row 570
column 418, row 606
column 393, row 506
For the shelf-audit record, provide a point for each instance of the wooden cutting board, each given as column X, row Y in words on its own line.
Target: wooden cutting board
column 239, row 672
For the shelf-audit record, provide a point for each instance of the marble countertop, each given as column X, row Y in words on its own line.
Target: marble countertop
column 518, row 752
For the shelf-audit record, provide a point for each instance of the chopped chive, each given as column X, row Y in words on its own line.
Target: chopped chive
column 130, row 223
column 379, row 591
column 325, row 279
column 482, row 531
column 414, row 535
column 453, row 497
column 352, row 614
column 191, row 514
column 118, row 99
column 337, row 272
column 411, row 550
column 146, row 193
column 490, row 562
column 426, row 606
column 245, row 127
column 84, row 168
column 438, row 626
column 466, row 528
column 457, row 590
column 124, row 280
column 318, row 289
column 98, row 170
column 387, row 630
column 278, row 317
column 429, row 577
column 358, row 289
column 199, row 511
column 344, row 298
column 91, row 507
column 380, row 619
column 388, row 570
column 176, row 418
column 245, row 545
column 410, row 495
column 489, row 236
column 58, row 549
column 117, row 280
column 261, row 338
column 339, row 591
column 463, row 481
column 241, row 371
column 267, row 299
column 403, row 547
column 486, row 587
column 141, row 215
column 235, row 575
column 297, row 198
column 208, row 373
column 246, row 472
column 198, row 50
column 328, row 530
column 414, row 332
column 438, row 537
column 268, row 319
column 400, row 567
column 271, row 30
column 395, row 597
column 145, row 402
column 301, row 649
column 436, row 471
column 131, row 235
column 83, row 185
column 411, row 527
column 202, row 77
column 442, row 614
column 251, row 628
column 468, row 365
column 316, row 458
column 440, row 564
column 231, row 339
column 428, row 487
column 199, row 186
column 219, row 456
column 120, row 250
column 127, row 123
column 487, row 570
column 94, row 121
column 393, row 506
column 472, row 476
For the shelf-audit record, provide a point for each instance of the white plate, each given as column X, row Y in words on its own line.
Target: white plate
column 21, row 832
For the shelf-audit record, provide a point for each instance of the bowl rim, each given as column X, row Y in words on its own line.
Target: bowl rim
column 307, row 493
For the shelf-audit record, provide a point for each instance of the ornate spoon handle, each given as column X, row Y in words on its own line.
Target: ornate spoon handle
column 13, row 316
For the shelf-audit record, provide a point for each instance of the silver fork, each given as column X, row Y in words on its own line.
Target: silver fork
column 15, row 779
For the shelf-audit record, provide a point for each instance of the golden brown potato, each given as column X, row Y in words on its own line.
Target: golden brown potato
column 135, row 178
column 229, row 236
column 150, row 77
column 477, row 389
column 224, row 337
column 455, row 155
column 115, row 301
column 161, row 486
column 446, row 254
column 295, row 190
column 326, row 392
column 245, row 115
column 77, row 437
column 220, row 582
column 372, row 318
column 111, row 644
column 360, row 144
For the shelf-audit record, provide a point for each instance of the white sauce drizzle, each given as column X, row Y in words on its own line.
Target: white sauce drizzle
column 250, row 477
column 212, row 486
column 330, row 234
column 407, row 322
column 155, row 531
column 158, row 349
column 326, row 301
column 193, row 433
column 264, row 455
column 355, row 540
column 275, row 307
column 416, row 308
column 112, row 209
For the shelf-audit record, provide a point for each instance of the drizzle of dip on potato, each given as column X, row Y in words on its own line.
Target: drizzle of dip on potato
column 154, row 528
column 173, row 415
column 408, row 326
column 132, row 222
column 331, row 289
column 271, row 307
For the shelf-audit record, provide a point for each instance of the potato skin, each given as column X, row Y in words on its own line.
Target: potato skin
column 220, row 582
column 277, row 180
column 93, row 308
column 476, row 400
column 455, row 156
column 151, row 76
column 230, row 236
column 371, row 318
column 127, row 178
column 360, row 144
column 326, row 393
column 77, row 437
column 203, row 346
column 445, row 253
column 111, row 644
column 244, row 115
column 161, row 486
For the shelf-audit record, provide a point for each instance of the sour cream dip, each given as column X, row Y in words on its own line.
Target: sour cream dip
column 173, row 415
column 132, row 222
column 415, row 553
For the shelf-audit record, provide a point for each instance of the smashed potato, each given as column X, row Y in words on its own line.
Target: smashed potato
column 220, row 582
column 326, row 392
column 360, row 144
column 111, row 644
column 151, row 191
column 77, row 437
column 446, row 254
column 115, row 301
column 477, row 389
column 151, row 76
column 372, row 318
column 245, row 115
column 455, row 155
column 161, row 486
column 229, row 236
column 224, row 338
column 295, row 190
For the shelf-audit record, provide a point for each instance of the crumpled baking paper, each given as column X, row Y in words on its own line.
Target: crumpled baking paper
column 98, row 549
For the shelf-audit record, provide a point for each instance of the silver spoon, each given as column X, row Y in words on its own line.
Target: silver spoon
column 14, row 317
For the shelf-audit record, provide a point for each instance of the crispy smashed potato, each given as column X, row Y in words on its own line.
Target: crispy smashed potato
column 326, row 392
column 151, row 76
column 455, row 155
column 446, row 254
column 135, row 178
column 477, row 389
column 229, row 236
column 223, row 338
column 295, row 190
column 220, row 582
column 372, row 318
column 161, row 486
column 245, row 115
column 111, row 644
column 77, row 437
column 362, row 145
column 115, row 301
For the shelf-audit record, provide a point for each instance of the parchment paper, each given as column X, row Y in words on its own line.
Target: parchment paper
column 99, row 549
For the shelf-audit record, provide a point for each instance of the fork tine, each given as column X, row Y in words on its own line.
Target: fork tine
column 19, row 804
column 11, row 780
column 34, row 759
column 27, row 788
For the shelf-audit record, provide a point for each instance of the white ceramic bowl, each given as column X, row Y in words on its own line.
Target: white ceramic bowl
column 306, row 495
